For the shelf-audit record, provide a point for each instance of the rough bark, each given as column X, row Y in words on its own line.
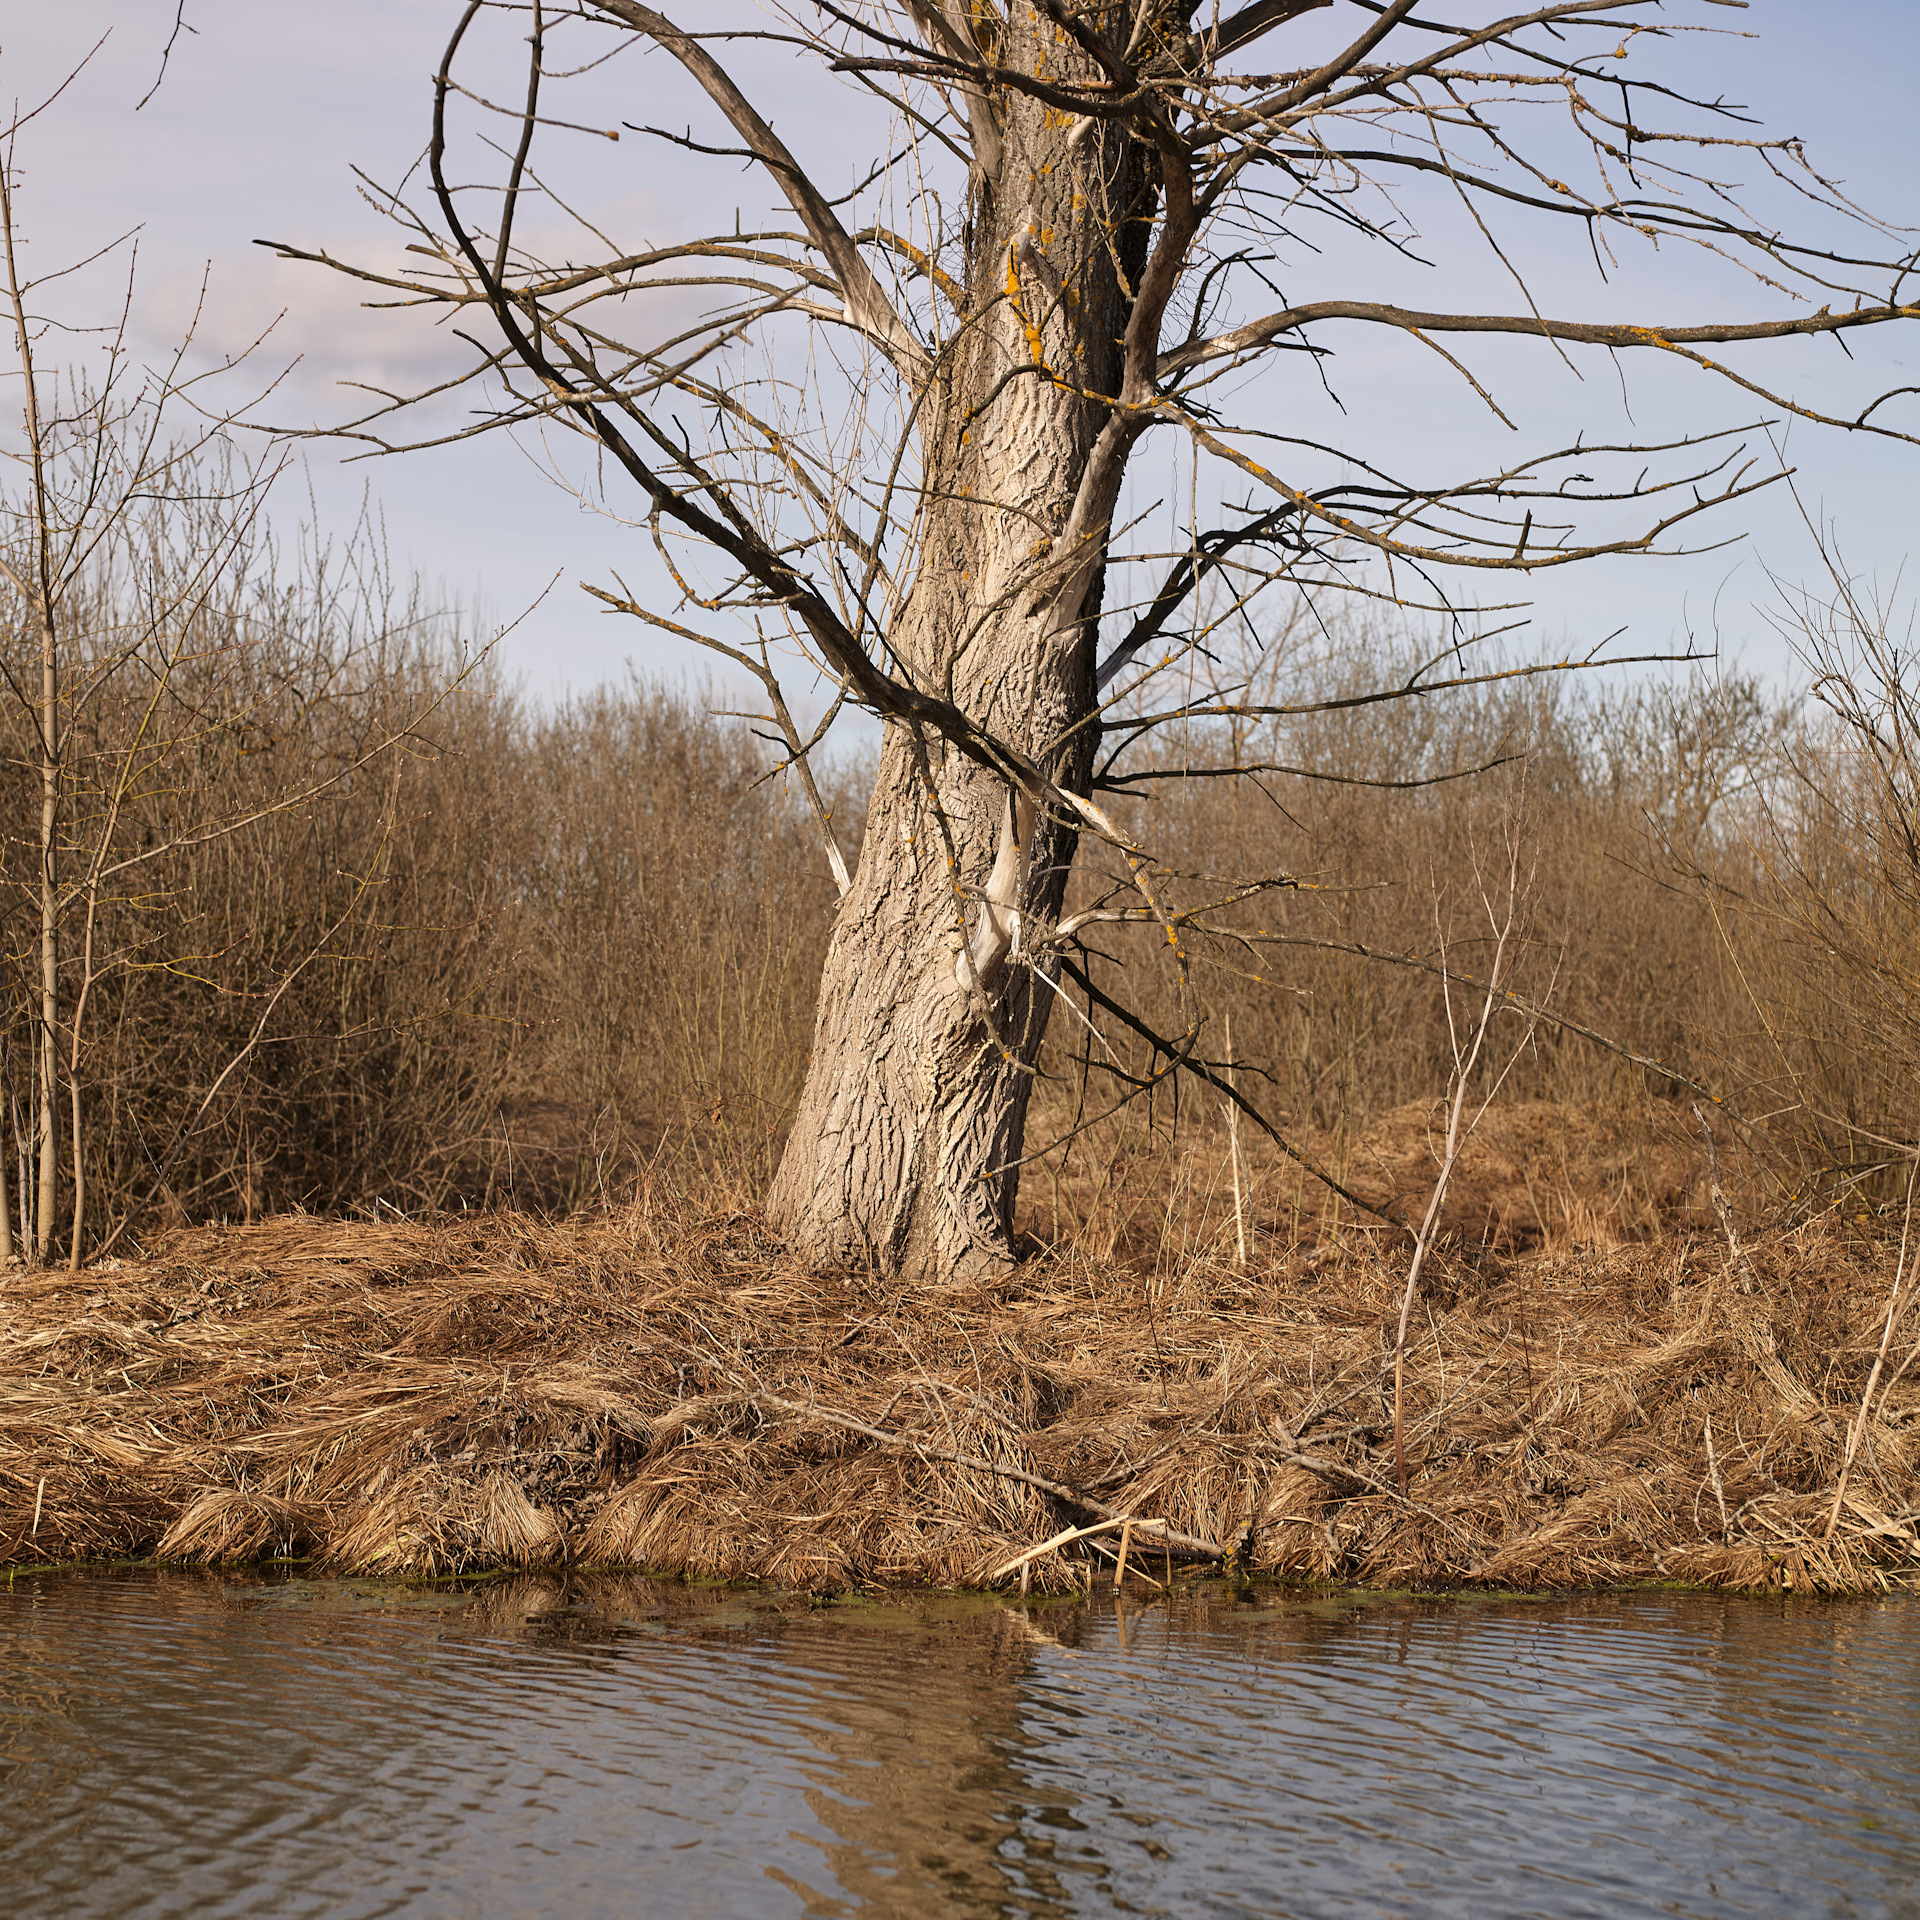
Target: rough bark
column 930, row 1016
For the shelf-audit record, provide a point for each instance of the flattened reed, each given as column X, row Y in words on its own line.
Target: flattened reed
column 657, row 1387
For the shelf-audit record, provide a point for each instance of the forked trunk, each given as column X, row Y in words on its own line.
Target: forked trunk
column 904, row 1150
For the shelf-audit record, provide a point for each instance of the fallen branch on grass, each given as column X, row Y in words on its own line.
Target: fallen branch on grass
column 1193, row 1545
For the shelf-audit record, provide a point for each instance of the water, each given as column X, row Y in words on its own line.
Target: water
column 174, row 1745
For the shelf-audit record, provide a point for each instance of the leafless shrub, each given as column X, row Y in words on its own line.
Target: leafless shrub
column 344, row 921
column 1833, row 919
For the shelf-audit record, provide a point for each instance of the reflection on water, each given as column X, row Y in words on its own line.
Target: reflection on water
column 179, row 1745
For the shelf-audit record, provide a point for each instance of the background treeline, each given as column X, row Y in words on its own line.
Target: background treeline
column 1715, row 875
column 342, row 919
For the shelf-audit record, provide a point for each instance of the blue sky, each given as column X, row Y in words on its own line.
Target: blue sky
column 267, row 106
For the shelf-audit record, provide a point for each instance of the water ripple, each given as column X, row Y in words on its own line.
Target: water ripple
column 173, row 1745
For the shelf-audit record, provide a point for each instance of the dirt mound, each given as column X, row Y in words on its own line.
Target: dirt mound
column 1534, row 1174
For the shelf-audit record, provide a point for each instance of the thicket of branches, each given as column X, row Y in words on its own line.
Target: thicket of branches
column 531, row 952
column 352, row 924
column 1722, row 900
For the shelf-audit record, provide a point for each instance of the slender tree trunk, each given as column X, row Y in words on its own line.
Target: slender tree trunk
column 915, row 1104
column 24, row 1190
column 49, row 1049
column 76, row 1243
column 40, row 594
column 6, row 1084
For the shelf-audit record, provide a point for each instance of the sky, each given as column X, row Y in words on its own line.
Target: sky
column 267, row 107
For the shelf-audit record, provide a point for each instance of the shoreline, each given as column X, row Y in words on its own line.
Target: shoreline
column 663, row 1391
column 1140, row 1591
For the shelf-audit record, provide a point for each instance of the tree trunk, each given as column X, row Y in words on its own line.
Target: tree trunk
column 914, row 1111
column 48, row 1094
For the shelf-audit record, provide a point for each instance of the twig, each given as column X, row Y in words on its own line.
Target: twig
column 1189, row 1543
column 1736, row 1256
column 1720, row 1492
column 1459, row 1129
column 1896, row 1307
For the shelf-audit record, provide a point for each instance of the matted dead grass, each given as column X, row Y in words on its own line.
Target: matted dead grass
column 660, row 1388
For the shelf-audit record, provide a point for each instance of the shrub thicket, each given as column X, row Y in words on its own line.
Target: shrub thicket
column 349, row 921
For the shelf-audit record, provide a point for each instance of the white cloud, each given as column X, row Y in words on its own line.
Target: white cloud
column 303, row 318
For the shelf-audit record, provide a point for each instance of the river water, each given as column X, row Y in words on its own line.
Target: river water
column 181, row 1745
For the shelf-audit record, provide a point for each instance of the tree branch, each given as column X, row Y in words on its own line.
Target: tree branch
column 1258, row 333
column 869, row 308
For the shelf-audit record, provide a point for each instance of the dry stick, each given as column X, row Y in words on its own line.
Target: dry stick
column 1719, row 1492
column 1065, row 1538
column 1126, row 1540
column 1736, row 1259
column 1233, row 1147
column 1896, row 1308
column 1190, row 1543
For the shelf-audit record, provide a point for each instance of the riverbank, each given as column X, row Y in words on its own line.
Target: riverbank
column 657, row 1388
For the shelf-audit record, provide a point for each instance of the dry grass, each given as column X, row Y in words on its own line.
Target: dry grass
column 658, row 1387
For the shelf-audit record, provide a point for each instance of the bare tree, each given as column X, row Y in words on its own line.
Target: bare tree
column 887, row 435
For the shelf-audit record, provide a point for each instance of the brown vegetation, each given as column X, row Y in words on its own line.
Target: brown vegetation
column 578, row 975
column 660, row 1387
column 535, row 952
column 305, row 913
column 377, row 931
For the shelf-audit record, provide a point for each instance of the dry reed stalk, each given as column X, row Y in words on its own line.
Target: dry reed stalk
column 1896, row 1307
column 652, row 1387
